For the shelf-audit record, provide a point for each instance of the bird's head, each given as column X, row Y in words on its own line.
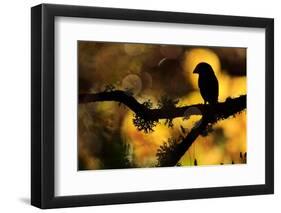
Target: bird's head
column 202, row 67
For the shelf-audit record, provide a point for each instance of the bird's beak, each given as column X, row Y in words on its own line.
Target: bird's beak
column 195, row 71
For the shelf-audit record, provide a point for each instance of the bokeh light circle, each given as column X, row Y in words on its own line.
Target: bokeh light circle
column 185, row 125
column 132, row 83
column 195, row 56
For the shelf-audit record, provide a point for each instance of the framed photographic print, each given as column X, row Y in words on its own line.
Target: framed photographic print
column 140, row 106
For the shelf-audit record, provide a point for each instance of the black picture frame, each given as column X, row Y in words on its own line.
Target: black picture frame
column 43, row 117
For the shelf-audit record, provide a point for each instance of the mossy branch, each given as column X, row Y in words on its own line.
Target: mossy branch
column 164, row 113
column 210, row 115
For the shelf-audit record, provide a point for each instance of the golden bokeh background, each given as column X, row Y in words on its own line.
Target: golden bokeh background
column 108, row 138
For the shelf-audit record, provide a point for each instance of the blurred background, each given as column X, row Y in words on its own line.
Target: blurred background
column 107, row 137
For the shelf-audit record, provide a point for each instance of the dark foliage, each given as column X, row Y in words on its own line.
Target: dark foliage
column 167, row 104
column 115, row 154
column 143, row 124
column 163, row 153
column 109, row 88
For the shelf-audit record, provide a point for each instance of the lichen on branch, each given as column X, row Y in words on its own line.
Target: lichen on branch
column 146, row 118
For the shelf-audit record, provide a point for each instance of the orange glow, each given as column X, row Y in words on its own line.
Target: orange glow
column 194, row 57
column 139, row 66
column 144, row 145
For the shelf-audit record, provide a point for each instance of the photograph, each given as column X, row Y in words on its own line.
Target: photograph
column 143, row 105
column 160, row 105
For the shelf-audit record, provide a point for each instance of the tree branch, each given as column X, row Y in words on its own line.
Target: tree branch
column 118, row 96
column 226, row 108
column 210, row 115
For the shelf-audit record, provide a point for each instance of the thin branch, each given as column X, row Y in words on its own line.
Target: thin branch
column 117, row 95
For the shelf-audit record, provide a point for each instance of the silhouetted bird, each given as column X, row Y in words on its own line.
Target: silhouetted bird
column 207, row 82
